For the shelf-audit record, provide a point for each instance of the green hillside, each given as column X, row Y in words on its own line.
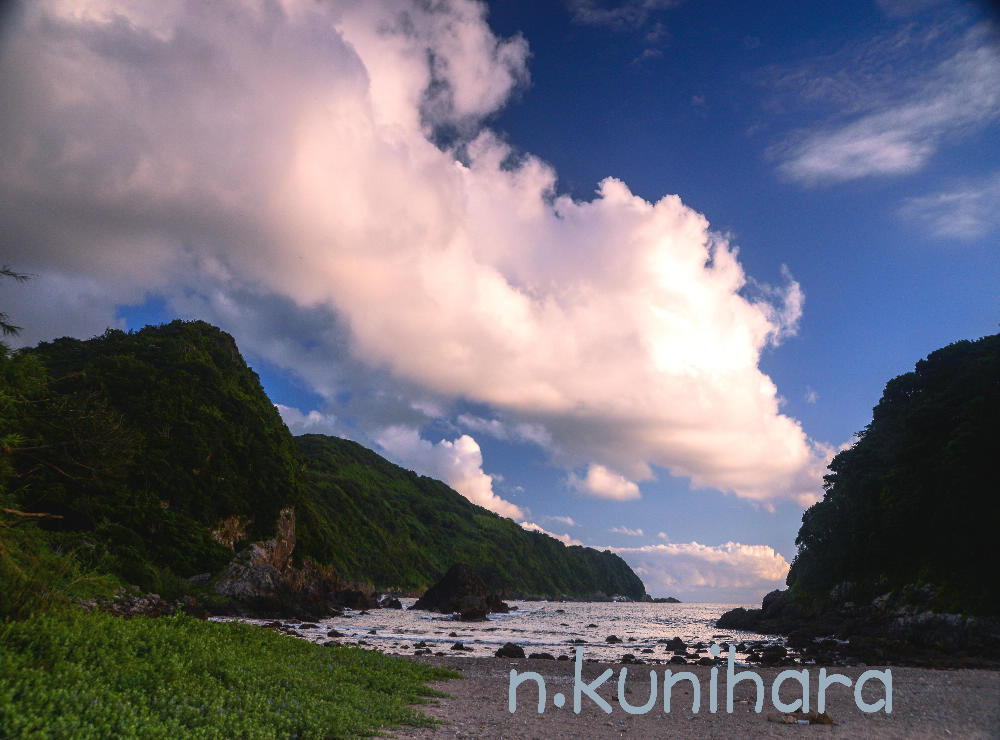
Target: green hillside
column 144, row 442
column 396, row 528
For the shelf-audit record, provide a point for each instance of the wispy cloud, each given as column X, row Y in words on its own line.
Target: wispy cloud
column 514, row 431
column 967, row 211
column 627, row 531
column 811, row 395
column 628, row 14
column 567, row 520
column 893, row 131
column 564, row 538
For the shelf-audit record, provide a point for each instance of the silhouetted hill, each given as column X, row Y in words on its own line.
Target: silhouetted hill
column 907, row 506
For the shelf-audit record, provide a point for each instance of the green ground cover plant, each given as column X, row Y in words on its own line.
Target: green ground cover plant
column 69, row 673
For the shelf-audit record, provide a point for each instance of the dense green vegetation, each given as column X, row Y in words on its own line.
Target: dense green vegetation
column 399, row 529
column 74, row 674
column 139, row 444
column 116, row 456
column 908, row 504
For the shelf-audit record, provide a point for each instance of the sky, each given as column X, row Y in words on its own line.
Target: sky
column 627, row 273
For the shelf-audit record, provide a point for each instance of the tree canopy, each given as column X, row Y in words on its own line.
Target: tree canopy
column 909, row 503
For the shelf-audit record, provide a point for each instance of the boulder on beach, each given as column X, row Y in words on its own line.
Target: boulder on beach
column 510, row 650
column 389, row 602
column 462, row 591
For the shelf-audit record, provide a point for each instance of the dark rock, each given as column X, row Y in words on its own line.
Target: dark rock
column 510, row 650
column 461, row 591
column 334, row 633
column 592, row 626
column 676, row 644
column 577, row 641
column 563, row 657
column 706, row 661
column 629, row 658
column 773, row 654
column 678, row 660
column 390, row 603
column 541, row 656
column 612, row 639
column 452, row 634
column 799, row 638
column 460, row 646
column 472, row 608
column 308, row 626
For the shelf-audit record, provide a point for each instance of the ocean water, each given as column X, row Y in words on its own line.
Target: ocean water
column 546, row 626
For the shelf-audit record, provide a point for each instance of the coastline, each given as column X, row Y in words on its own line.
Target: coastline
column 927, row 703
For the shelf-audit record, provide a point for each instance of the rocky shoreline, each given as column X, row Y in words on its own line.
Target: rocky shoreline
column 896, row 628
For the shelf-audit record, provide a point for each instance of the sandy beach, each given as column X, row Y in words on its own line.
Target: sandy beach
column 927, row 703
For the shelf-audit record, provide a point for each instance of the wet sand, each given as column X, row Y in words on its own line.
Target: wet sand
column 926, row 703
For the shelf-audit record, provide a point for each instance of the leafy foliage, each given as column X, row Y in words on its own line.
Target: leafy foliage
column 398, row 529
column 94, row 675
column 142, row 443
column 908, row 503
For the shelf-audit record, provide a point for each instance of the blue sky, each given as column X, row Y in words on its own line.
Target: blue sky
column 402, row 213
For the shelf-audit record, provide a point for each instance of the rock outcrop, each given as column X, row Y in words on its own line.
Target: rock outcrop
column 463, row 592
column 897, row 627
column 262, row 581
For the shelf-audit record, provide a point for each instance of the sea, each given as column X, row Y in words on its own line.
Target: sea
column 553, row 627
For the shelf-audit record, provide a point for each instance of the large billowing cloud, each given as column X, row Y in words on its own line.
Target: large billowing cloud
column 239, row 155
column 732, row 572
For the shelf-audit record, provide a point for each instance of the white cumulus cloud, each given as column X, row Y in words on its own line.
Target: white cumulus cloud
column 314, row 422
column 232, row 156
column 459, row 463
column 605, row 483
column 731, row 572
